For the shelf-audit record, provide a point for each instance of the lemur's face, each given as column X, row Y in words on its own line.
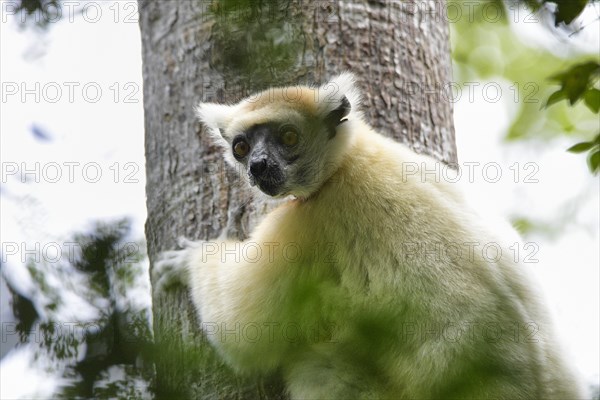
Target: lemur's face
column 270, row 153
column 284, row 157
column 283, row 145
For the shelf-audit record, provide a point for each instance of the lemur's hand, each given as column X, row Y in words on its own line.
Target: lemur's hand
column 171, row 266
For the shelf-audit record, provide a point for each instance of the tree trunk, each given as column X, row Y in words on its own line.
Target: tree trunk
column 222, row 51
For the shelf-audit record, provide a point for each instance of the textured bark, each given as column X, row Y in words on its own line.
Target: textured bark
column 198, row 51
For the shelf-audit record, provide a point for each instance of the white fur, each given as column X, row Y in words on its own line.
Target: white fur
column 331, row 93
column 214, row 116
column 352, row 292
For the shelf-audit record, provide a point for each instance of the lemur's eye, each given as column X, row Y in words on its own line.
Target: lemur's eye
column 241, row 148
column 289, row 136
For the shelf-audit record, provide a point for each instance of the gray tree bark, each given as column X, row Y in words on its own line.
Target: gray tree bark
column 222, row 51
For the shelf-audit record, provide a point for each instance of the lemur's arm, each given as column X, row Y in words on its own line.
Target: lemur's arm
column 246, row 296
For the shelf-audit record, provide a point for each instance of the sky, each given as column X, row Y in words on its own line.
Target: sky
column 72, row 115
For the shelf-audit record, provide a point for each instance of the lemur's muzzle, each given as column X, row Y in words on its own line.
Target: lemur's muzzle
column 268, row 176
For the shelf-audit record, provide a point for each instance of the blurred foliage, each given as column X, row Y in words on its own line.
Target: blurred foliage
column 577, row 83
column 525, row 225
column 491, row 49
column 256, row 43
column 96, row 273
column 38, row 13
column 593, row 149
column 24, row 312
column 565, row 12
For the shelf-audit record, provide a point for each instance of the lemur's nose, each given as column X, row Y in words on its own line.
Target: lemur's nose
column 258, row 167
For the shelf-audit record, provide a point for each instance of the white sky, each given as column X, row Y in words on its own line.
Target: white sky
column 107, row 55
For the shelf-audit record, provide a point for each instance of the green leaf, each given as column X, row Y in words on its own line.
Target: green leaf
column 580, row 147
column 576, row 80
column 556, row 97
column 586, row 69
column 568, row 10
column 523, row 225
column 592, row 100
column 594, row 161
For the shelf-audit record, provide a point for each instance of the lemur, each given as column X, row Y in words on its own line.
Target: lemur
column 369, row 282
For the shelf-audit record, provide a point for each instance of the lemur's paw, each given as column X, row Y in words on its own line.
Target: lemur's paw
column 171, row 266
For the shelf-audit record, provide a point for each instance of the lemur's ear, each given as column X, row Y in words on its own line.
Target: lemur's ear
column 336, row 99
column 215, row 117
column 336, row 116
